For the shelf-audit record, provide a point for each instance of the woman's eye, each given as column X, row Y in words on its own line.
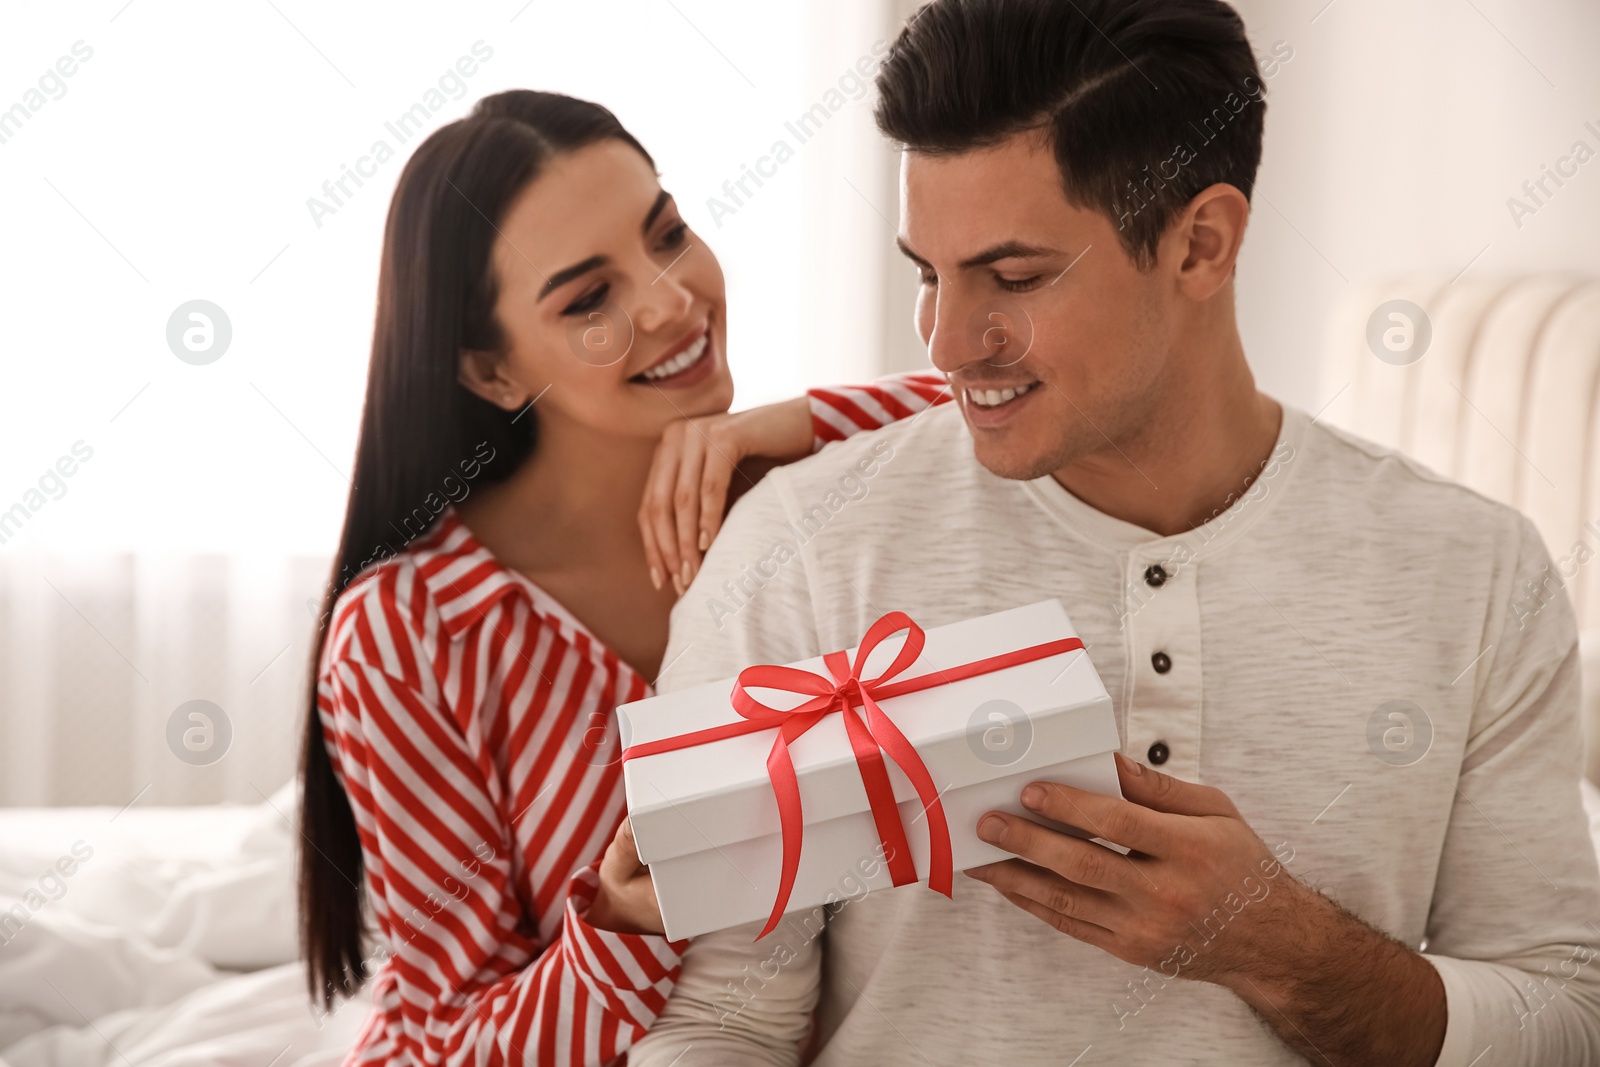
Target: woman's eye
column 589, row 301
column 927, row 277
column 674, row 237
column 1018, row 285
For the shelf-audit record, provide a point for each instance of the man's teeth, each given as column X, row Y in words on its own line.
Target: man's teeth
column 678, row 362
column 988, row 398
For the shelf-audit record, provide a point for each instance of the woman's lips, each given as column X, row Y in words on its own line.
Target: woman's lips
column 690, row 366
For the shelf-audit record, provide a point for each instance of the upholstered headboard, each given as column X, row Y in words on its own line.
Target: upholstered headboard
column 1496, row 383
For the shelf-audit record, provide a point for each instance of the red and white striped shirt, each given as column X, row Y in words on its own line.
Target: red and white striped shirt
column 838, row 413
column 470, row 719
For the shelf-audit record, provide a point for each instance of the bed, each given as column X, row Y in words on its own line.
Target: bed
column 156, row 936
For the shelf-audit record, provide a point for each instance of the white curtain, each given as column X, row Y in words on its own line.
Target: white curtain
column 97, row 652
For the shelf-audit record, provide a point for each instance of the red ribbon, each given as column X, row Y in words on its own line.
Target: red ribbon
column 870, row 740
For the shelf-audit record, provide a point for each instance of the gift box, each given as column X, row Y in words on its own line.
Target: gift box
column 801, row 785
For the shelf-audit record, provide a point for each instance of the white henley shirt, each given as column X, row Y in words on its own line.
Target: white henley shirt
column 1337, row 651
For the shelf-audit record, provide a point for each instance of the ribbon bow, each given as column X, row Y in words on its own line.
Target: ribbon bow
column 869, row 741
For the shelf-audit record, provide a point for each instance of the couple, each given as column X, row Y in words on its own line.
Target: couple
column 1260, row 594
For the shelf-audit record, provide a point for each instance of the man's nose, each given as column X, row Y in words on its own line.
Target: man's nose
column 965, row 332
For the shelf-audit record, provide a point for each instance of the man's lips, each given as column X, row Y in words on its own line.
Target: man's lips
column 996, row 394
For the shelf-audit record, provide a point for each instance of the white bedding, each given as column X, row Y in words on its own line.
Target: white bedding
column 172, row 943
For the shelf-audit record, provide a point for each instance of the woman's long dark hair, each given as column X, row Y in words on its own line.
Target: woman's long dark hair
column 436, row 298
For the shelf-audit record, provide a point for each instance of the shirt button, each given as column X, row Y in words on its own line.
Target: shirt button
column 1155, row 576
column 1161, row 662
column 1158, row 753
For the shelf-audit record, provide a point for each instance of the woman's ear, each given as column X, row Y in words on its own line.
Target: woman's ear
column 482, row 374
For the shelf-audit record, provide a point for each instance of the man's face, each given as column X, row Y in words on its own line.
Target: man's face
column 1024, row 293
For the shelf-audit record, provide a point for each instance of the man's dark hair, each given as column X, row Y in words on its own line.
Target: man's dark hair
column 1146, row 102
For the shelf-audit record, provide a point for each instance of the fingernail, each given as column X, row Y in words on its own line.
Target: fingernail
column 688, row 572
column 677, row 585
column 992, row 829
column 705, row 540
column 1134, row 766
column 1033, row 798
column 655, row 577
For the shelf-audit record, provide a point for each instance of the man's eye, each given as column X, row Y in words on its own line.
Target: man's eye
column 1019, row 285
column 589, row 301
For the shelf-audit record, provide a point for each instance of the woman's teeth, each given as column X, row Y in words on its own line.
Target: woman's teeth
column 989, row 398
column 682, row 361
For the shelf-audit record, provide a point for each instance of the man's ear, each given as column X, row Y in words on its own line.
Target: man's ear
column 483, row 374
column 1209, row 235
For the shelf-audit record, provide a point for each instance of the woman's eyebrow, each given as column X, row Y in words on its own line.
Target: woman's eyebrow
column 662, row 200
column 562, row 277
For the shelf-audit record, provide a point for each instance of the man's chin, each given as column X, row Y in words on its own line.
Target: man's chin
column 1019, row 461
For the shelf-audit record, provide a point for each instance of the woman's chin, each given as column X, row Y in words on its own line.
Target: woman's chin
column 713, row 397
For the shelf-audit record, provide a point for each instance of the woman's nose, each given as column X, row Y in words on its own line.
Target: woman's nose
column 663, row 299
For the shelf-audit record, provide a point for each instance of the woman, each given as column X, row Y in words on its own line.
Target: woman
column 548, row 353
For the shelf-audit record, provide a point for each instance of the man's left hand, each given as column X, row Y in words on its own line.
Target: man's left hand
column 1195, row 861
column 1202, row 897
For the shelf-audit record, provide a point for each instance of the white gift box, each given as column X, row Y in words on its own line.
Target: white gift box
column 707, row 822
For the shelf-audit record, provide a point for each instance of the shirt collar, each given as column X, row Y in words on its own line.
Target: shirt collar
column 463, row 578
column 1208, row 538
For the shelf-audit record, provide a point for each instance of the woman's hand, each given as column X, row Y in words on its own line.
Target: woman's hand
column 626, row 902
column 687, row 491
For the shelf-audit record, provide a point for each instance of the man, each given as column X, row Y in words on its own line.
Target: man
column 1341, row 745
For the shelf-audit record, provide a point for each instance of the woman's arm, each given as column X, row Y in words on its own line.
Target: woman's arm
column 466, row 976
column 704, row 463
column 843, row 411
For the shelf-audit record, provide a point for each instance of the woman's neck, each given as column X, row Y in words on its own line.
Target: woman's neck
column 572, row 501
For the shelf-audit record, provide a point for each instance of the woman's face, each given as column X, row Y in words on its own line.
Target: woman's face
column 614, row 310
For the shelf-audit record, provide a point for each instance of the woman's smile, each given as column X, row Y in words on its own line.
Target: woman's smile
column 689, row 362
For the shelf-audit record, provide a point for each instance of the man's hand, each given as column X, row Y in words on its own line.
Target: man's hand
column 689, row 481
column 1202, row 897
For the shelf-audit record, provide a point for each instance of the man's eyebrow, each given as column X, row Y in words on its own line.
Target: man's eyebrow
column 1006, row 250
column 562, row 277
column 905, row 250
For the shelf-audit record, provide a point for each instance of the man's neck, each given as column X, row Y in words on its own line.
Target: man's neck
column 1198, row 448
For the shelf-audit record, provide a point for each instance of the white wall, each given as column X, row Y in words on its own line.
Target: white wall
column 176, row 163
column 1394, row 138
